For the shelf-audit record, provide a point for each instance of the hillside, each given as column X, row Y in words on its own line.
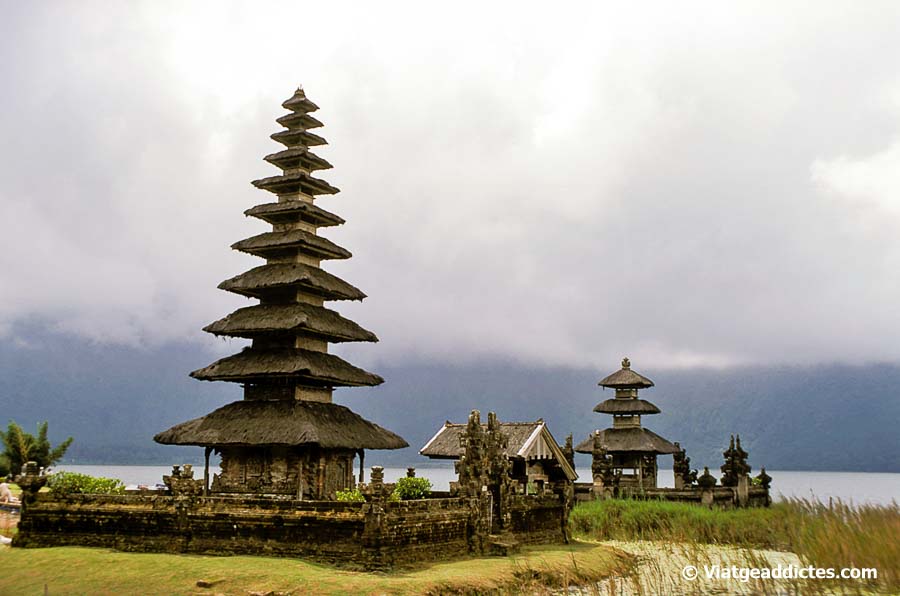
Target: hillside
column 114, row 399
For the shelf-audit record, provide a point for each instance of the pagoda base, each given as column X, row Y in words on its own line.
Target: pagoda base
column 304, row 473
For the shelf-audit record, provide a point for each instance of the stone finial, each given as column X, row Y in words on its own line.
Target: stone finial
column 410, row 472
column 626, row 363
column 706, row 480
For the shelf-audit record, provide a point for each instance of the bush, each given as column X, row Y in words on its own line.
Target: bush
column 350, row 495
column 408, row 489
column 71, row 483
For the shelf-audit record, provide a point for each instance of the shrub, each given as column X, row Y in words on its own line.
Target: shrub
column 350, row 495
column 71, row 483
column 412, row 488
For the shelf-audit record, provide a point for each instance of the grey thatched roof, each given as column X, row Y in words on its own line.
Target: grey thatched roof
column 290, row 138
column 294, row 157
column 299, row 103
column 445, row 444
column 626, row 378
column 295, row 182
column 265, row 279
column 315, row 368
column 287, row 423
column 291, row 211
column 261, row 319
column 298, row 120
column 628, row 439
column 626, row 406
column 526, row 440
column 271, row 244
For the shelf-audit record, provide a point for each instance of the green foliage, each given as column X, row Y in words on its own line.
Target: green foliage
column 623, row 519
column 412, row 488
column 21, row 447
column 70, row 483
column 350, row 495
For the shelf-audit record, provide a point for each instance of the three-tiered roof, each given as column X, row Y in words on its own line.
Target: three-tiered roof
column 632, row 447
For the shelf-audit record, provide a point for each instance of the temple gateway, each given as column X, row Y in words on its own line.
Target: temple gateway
column 286, row 436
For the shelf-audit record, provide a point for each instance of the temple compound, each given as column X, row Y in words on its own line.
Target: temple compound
column 535, row 459
column 624, row 457
column 287, row 450
column 287, row 437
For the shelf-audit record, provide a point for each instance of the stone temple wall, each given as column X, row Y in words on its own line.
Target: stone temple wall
column 368, row 535
column 720, row 496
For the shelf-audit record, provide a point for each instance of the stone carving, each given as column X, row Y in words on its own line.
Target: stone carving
column 31, row 481
column 764, row 479
column 706, row 480
column 181, row 482
column 601, row 465
column 685, row 477
column 569, row 451
column 735, row 464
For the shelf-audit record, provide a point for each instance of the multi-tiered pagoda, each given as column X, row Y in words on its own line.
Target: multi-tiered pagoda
column 626, row 452
column 286, row 436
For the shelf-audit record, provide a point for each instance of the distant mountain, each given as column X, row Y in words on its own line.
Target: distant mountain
column 114, row 399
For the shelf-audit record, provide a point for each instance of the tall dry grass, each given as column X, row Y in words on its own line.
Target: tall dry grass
column 838, row 534
column 833, row 534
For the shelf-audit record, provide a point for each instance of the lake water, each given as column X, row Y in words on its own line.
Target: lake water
column 856, row 487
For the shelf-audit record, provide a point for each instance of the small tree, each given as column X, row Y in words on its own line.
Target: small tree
column 21, row 447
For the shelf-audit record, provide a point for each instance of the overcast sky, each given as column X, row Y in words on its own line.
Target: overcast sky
column 691, row 184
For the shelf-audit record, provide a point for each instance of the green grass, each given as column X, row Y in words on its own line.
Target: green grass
column 833, row 535
column 73, row 571
column 622, row 519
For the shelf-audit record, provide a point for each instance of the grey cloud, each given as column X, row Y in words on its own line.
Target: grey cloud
column 555, row 190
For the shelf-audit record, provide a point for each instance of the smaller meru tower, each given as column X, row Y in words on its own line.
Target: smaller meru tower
column 632, row 448
column 287, row 437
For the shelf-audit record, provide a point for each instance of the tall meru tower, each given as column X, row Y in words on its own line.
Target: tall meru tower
column 286, row 436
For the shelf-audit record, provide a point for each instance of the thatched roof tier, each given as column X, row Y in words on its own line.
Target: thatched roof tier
column 626, row 378
column 297, row 157
column 291, row 211
column 263, row 319
column 290, row 138
column 273, row 244
column 298, row 120
column 445, row 444
column 265, row 280
column 628, row 439
column 314, row 368
column 295, row 182
column 299, row 103
column 283, row 423
column 626, row 406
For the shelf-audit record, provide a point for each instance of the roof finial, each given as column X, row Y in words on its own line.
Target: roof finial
column 626, row 363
